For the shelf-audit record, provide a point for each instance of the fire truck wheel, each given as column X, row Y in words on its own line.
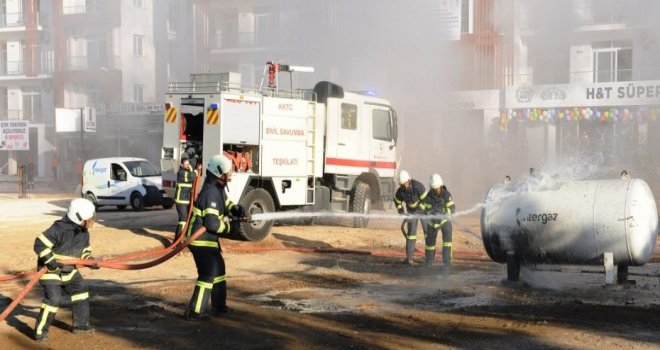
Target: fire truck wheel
column 361, row 203
column 137, row 202
column 257, row 201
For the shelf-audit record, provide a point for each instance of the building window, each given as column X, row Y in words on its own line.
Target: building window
column 138, row 3
column 31, row 104
column 348, row 116
column 380, row 125
column 467, row 17
column 138, row 93
column 612, row 61
column 138, row 45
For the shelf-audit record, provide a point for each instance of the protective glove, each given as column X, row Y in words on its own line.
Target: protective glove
column 247, row 216
column 54, row 265
column 238, row 210
column 95, row 265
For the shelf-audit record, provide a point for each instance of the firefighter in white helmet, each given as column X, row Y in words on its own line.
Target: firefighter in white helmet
column 66, row 239
column 411, row 193
column 438, row 201
column 212, row 209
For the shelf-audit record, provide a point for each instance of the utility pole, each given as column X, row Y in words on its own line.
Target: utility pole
column 82, row 136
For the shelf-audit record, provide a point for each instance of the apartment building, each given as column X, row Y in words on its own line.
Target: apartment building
column 114, row 56
column 26, row 71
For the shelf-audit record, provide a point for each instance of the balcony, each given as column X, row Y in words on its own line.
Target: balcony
column 103, row 63
column 18, row 68
column 35, row 115
column 221, row 41
column 16, row 21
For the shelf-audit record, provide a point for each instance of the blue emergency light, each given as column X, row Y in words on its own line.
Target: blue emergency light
column 214, row 106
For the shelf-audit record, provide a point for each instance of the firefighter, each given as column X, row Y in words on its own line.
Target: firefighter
column 411, row 192
column 438, row 202
column 213, row 210
column 184, row 180
column 66, row 239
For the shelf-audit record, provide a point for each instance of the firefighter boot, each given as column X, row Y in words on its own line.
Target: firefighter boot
column 45, row 318
column 410, row 251
column 429, row 256
column 446, row 255
column 199, row 301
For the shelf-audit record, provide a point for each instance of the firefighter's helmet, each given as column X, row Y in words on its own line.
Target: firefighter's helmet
column 436, row 181
column 219, row 164
column 403, row 177
column 80, row 209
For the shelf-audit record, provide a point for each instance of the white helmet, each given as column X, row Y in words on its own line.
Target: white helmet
column 219, row 164
column 80, row 209
column 436, row 181
column 403, row 177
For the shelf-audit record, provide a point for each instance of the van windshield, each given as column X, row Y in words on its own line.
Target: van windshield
column 140, row 168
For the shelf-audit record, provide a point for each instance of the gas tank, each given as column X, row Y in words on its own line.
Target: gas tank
column 572, row 222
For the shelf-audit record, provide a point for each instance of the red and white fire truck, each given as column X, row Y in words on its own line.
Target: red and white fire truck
column 309, row 150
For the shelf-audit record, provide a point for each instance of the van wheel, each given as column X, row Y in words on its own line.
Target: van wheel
column 168, row 205
column 121, row 207
column 137, row 202
column 361, row 203
column 257, row 201
column 92, row 198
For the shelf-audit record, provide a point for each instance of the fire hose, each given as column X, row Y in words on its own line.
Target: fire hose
column 116, row 263
column 172, row 250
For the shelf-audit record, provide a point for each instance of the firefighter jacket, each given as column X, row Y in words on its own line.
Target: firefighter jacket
column 438, row 204
column 411, row 196
column 184, row 180
column 64, row 240
column 211, row 210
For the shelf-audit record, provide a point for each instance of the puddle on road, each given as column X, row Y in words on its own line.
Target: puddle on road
column 427, row 292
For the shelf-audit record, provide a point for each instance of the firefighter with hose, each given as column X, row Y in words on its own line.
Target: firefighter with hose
column 67, row 238
column 411, row 193
column 184, row 181
column 215, row 212
column 438, row 202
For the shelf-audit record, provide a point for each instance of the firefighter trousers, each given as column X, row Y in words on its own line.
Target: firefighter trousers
column 211, row 281
column 182, row 211
column 411, row 237
column 432, row 233
column 76, row 288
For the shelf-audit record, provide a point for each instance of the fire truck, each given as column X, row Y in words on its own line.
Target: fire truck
column 292, row 149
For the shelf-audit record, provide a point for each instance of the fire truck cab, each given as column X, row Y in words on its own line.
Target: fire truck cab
column 310, row 150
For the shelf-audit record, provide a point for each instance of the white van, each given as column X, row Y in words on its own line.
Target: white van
column 121, row 181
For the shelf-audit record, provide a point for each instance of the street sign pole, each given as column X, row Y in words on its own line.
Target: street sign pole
column 82, row 136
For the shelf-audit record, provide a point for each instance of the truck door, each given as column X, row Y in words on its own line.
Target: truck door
column 348, row 132
column 382, row 142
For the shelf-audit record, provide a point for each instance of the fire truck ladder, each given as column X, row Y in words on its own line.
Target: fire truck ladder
column 311, row 152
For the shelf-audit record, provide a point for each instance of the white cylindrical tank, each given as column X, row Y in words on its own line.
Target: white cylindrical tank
column 571, row 222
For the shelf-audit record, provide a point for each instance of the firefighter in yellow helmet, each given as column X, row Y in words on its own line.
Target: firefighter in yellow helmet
column 213, row 210
column 438, row 201
column 411, row 193
column 66, row 239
